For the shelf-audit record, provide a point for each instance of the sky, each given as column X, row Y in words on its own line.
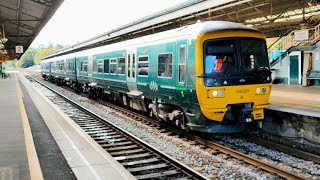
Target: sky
column 79, row 20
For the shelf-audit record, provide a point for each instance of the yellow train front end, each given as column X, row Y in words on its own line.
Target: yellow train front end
column 233, row 82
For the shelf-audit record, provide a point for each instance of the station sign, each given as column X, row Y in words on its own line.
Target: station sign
column 19, row 49
column 302, row 35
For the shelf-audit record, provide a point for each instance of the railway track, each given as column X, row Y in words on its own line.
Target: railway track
column 206, row 143
column 139, row 158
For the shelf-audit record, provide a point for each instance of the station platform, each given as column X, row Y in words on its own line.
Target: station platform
column 296, row 99
column 38, row 141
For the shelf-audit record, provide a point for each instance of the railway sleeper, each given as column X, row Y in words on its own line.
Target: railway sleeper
column 161, row 175
column 140, row 162
column 148, row 168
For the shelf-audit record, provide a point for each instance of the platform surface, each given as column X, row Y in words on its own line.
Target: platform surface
column 13, row 153
column 296, row 99
column 37, row 143
column 86, row 158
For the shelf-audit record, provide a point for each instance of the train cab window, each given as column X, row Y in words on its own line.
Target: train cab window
column 113, row 66
column 100, row 66
column 182, row 63
column 165, row 65
column 94, row 66
column 121, row 65
column 219, row 57
column 253, row 53
column 106, row 66
column 143, row 66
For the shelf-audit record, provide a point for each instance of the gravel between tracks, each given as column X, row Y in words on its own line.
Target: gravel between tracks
column 207, row 161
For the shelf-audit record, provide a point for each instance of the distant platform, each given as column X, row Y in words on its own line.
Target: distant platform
column 296, row 99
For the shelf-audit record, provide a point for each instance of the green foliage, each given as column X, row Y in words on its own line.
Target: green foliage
column 59, row 46
column 41, row 53
column 33, row 55
column 26, row 59
column 11, row 64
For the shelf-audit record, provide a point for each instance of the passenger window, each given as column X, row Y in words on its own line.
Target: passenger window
column 61, row 65
column 106, row 66
column 94, row 69
column 122, row 65
column 165, row 65
column 100, row 66
column 133, row 65
column 143, row 66
column 182, row 63
column 129, row 65
column 66, row 66
column 84, row 66
column 113, row 66
column 57, row 66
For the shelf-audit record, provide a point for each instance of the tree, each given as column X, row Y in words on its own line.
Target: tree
column 41, row 46
column 42, row 53
column 11, row 64
column 59, row 46
column 50, row 46
column 26, row 59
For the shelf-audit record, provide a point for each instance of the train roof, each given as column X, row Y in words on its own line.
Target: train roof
column 213, row 26
column 189, row 31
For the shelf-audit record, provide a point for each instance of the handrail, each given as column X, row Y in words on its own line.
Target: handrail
column 286, row 42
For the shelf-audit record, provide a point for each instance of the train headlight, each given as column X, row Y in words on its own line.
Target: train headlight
column 215, row 93
column 219, row 93
column 261, row 90
column 258, row 90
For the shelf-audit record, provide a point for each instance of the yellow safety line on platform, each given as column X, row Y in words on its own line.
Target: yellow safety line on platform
column 295, row 103
column 34, row 166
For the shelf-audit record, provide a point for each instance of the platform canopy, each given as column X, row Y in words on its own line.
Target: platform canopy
column 20, row 23
column 272, row 17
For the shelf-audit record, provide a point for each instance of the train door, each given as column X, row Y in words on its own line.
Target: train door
column 181, row 69
column 90, row 66
column 294, row 70
column 131, row 71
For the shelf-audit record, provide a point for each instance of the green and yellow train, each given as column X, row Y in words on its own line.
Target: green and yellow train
column 211, row 76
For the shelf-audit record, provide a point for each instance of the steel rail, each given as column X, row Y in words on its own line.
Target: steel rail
column 233, row 153
column 265, row 166
column 168, row 161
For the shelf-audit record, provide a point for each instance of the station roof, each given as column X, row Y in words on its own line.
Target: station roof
column 272, row 17
column 21, row 21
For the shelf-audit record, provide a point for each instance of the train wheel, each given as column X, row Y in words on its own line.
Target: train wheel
column 93, row 94
column 77, row 88
column 181, row 123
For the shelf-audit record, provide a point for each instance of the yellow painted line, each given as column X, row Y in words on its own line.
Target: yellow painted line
column 294, row 103
column 34, row 166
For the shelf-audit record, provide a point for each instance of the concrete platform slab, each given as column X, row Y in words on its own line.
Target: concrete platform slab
column 296, row 99
column 87, row 159
column 18, row 158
